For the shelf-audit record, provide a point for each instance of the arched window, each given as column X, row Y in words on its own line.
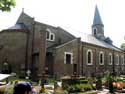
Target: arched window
column 110, row 59
column 52, row 37
column 117, row 60
column 89, row 57
column 122, row 60
column 49, row 35
column 94, row 31
column 101, row 58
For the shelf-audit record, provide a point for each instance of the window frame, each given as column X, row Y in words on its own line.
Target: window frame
column 91, row 57
column 94, row 31
column 122, row 59
column 48, row 37
column 110, row 59
column 71, row 59
column 101, row 53
column 52, row 34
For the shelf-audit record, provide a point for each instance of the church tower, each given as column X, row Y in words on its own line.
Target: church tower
column 98, row 27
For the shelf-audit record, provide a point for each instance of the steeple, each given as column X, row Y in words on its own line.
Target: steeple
column 98, row 27
column 97, row 18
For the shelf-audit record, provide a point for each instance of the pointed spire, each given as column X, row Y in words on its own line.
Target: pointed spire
column 97, row 17
column 23, row 10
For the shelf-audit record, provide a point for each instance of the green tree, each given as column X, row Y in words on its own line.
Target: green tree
column 6, row 5
column 122, row 46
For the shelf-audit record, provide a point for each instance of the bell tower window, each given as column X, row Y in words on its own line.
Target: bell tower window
column 94, row 31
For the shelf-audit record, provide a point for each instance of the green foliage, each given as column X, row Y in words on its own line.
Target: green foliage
column 5, row 5
column 51, row 81
column 119, row 79
column 77, row 85
column 122, row 46
column 73, row 88
column 83, row 81
column 110, row 81
column 80, row 88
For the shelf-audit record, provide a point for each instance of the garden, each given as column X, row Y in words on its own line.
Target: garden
column 74, row 85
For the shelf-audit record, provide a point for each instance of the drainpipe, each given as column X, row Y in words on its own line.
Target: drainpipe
column 95, row 65
column 82, row 49
column 26, row 52
column 79, row 63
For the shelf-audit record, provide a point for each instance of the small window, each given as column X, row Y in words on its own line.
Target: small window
column 52, row 37
column 49, row 35
column 101, row 58
column 117, row 60
column 110, row 59
column 89, row 57
column 68, row 58
column 94, row 31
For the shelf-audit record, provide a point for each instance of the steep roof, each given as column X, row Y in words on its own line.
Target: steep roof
column 23, row 16
column 18, row 26
column 97, row 18
column 56, row 29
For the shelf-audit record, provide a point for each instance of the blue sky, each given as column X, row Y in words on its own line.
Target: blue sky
column 75, row 16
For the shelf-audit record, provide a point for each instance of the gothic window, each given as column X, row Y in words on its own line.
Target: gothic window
column 89, row 57
column 122, row 60
column 117, row 60
column 68, row 58
column 101, row 58
column 110, row 59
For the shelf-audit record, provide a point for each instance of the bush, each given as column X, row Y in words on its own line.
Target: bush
column 119, row 79
column 87, row 87
column 73, row 88
column 83, row 81
column 77, row 85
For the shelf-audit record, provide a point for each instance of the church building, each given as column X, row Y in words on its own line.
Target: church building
column 31, row 48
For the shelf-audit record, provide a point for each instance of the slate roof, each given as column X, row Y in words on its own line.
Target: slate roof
column 92, row 40
column 18, row 26
column 87, row 38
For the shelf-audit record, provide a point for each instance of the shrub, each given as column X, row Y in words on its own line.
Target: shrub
column 73, row 88
column 87, row 87
column 119, row 79
column 83, row 81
